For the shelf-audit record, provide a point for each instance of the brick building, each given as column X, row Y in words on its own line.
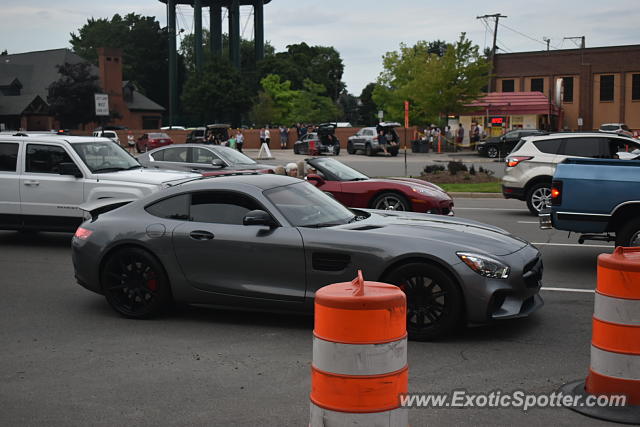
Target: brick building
column 600, row 85
column 25, row 79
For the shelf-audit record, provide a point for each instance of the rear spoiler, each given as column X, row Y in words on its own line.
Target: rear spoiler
column 97, row 207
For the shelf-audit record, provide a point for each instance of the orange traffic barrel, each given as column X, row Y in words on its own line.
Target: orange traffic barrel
column 359, row 365
column 615, row 341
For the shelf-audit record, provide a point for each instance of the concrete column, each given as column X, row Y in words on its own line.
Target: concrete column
column 234, row 32
column 623, row 97
column 258, row 25
column 173, row 60
column 197, row 34
column 215, row 28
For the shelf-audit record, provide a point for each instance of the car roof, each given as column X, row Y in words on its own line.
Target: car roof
column 577, row 135
column 52, row 138
column 261, row 181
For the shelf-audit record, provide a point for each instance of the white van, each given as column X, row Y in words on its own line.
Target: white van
column 111, row 134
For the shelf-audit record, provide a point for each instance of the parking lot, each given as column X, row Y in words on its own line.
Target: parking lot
column 68, row 359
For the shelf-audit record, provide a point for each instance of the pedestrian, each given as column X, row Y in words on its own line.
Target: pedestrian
column 292, row 169
column 460, row 134
column 239, row 140
column 267, row 136
column 262, row 136
column 476, row 134
column 382, row 141
column 297, row 126
column 284, row 137
column 303, row 132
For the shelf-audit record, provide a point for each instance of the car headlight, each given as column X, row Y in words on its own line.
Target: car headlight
column 485, row 266
column 422, row 190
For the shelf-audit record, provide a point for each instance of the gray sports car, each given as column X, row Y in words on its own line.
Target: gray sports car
column 269, row 242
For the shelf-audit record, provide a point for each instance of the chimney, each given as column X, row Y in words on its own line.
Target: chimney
column 110, row 64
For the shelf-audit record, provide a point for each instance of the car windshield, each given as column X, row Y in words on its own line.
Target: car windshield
column 305, row 206
column 105, row 157
column 339, row 170
column 609, row 127
column 234, row 157
column 158, row 135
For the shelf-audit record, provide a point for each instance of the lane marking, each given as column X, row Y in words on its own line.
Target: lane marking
column 528, row 222
column 572, row 245
column 456, row 208
column 581, row 291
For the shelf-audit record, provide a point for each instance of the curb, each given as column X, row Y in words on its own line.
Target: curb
column 476, row 195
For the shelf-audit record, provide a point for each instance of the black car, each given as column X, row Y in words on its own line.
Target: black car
column 500, row 146
column 322, row 141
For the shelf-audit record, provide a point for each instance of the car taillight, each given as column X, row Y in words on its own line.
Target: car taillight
column 516, row 160
column 556, row 193
column 82, row 233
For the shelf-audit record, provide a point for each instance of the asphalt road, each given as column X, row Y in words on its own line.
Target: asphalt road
column 68, row 360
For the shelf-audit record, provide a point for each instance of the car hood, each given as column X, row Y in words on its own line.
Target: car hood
column 415, row 181
column 463, row 234
column 149, row 176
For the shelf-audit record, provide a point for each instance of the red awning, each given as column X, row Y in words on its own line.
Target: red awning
column 512, row 104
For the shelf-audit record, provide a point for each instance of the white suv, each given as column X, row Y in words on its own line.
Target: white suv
column 44, row 179
column 532, row 163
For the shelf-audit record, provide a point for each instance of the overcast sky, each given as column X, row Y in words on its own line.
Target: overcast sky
column 362, row 31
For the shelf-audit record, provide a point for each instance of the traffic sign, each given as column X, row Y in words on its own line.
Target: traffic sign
column 102, row 104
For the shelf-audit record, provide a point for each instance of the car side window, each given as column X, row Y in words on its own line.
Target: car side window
column 221, row 207
column 8, row 156
column 617, row 145
column 45, row 158
column 176, row 207
column 176, row 154
column 158, row 155
column 204, row 156
column 584, row 147
column 549, row 146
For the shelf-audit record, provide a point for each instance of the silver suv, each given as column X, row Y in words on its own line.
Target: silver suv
column 532, row 163
column 366, row 139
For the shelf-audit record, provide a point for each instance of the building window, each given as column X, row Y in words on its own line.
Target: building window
column 567, row 93
column 537, row 85
column 635, row 87
column 606, row 88
column 507, row 86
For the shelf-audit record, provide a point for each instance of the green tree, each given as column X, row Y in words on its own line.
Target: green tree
column 145, row 54
column 367, row 109
column 71, row 97
column 435, row 84
column 217, row 94
column 349, row 108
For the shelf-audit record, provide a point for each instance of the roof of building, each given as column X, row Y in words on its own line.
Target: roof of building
column 35, row 71
column 16, row 105
column 513, row 103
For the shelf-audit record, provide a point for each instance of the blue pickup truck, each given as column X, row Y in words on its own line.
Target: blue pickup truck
column 598, row 198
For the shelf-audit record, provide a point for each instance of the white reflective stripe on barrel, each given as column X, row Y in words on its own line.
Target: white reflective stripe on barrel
column 359, row 359
column 616, row 365
column 617, row 310
column 321, row 417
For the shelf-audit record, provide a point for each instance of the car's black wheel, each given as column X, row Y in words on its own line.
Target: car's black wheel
column 350, row 148
column 135, row 284
column 393, row 151
column 629, row 234
column 492, row 152
column 539, row 197
column 435, row 305
column 368, row 151
column 337, row 152
column 391, row 202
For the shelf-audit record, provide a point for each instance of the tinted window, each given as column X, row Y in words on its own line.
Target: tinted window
column 178, row 154
column 583, row 147
column 8, row 157
column 201, row 155
column 549, row 146
column 176, row 207
column 45, row 158
column 221, row 207
column 158, row 135
column 617, row 145
column 606, row 88
column 158, row 156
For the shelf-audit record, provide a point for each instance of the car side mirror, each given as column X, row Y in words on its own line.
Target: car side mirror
column 69, row 168
column 315, row 179
column 218, row 163
column 258, row 217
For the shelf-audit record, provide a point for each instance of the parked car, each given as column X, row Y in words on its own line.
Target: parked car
column 499, row 146
column 201, row 158
column 149, row 141
column 357, row 190
column 619, row 128
column 366, row 139
column 43, row 179
column 532, row 163
column 199, row 135
column 111, row 134
column 269, row 242
column 173, row 128
column 196, row 135
column 322, row 141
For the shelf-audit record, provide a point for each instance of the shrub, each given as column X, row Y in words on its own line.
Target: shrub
column 433, row 168
column 456, row 166
column 472, row 170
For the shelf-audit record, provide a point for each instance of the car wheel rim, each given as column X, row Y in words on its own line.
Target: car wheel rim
column 426, row 301
column 390, row 203
column 635, row 239
column 131, row 283
column 493, row 152
column 541, row 198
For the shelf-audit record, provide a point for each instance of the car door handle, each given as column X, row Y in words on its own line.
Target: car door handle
column 201, row 235
column 34, row 183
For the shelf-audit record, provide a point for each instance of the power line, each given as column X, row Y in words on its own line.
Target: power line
column 525, row 35
column 497, row 17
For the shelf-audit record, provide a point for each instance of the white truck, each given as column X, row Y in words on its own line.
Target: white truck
column 44, row 179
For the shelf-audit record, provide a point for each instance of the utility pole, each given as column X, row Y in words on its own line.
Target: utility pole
column 548, row 41
column 497, row 17
column 582, row 46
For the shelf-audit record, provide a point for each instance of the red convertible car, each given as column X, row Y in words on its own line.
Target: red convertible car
column 357, row 190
